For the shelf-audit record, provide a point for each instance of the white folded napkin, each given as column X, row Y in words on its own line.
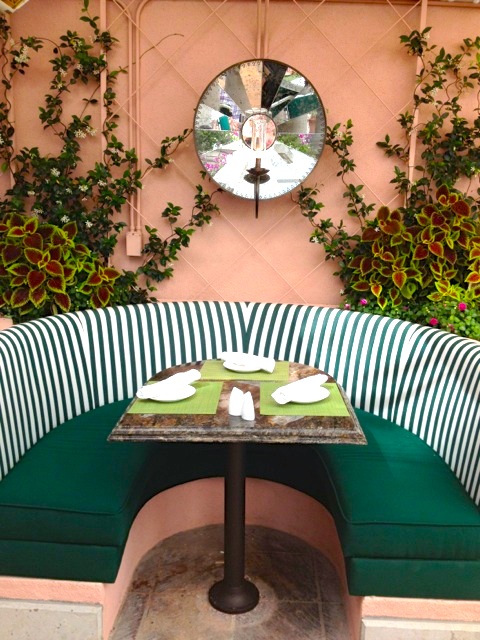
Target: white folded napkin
column 248, row 361
column 177, row 381
column 307, row 385
column 241, row 404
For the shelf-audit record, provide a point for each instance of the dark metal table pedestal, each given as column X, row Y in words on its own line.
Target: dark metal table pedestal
column 234, row 594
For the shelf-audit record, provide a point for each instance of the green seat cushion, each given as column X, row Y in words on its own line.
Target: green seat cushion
column 396, row 498
column 67, row 507
column 74, row 486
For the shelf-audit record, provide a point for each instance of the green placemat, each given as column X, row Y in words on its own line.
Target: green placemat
column 334, row 405
column 205, row 401
column 214, row 370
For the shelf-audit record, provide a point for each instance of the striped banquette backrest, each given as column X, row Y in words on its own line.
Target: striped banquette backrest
column 423, row 379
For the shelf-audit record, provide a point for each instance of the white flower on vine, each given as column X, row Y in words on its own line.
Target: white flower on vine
column 91, row 131
column 339, row 135
column 22, row 56
column 55, row 172
column 2, row 141
column 79, row 67
column 80, row 133
column 30, row 193
column 37, row 212
column 102, row 183
column 62, row 72
column 64, row 219
column 68, row 190
column 88, row 224
column 58, row 202
column 83, row 187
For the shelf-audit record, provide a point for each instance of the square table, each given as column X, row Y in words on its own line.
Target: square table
column 204, row 418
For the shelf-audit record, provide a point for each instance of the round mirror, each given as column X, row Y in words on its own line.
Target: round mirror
column 259, row 129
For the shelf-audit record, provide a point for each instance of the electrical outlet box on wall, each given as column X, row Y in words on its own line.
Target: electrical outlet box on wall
column 134, row 243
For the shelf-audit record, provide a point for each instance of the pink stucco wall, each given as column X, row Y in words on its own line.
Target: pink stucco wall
column 350, row 51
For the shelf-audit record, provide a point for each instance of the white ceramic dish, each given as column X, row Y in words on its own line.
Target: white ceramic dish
column 308, row 395
column 242, row 368
column 165, row 393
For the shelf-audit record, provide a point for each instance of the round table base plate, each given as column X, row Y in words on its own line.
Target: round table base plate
column 239, row 599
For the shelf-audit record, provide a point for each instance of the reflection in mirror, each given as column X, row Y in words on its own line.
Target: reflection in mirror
column 259, row 114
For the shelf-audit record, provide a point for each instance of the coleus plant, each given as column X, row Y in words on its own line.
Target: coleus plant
column 434, row 255
column 44, row 270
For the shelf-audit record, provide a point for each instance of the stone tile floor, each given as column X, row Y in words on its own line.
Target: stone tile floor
column 300, row 596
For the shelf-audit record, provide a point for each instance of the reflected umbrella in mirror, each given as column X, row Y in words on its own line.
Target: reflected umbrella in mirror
column 259, row 129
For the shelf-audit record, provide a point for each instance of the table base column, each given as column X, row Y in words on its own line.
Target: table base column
column 234, row 594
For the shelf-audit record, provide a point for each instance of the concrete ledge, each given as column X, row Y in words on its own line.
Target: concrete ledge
column 37, row 620
column 400, row 629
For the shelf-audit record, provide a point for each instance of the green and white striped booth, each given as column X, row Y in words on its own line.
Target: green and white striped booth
column 405, row 505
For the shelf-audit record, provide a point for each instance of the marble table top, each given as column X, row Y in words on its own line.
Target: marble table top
column 222, row 427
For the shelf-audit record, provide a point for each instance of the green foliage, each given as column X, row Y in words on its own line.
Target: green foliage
column 59, row 188
column 45, row 270
column 420, row 261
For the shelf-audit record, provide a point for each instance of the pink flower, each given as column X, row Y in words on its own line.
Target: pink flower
column 346, row 306
column 433, row 322
column 363, row 301
column 462, row 306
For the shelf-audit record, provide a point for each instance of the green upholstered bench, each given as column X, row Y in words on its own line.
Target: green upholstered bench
column 405, row 505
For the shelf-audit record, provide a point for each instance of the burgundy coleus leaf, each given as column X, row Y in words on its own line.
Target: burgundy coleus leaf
column 395, row 297
column 19, row 297
column 56, row 284
column 17, row 281
column 94, row 279
column 442, row 192
column 54, row 268
column 31, row 225
column 16, row 220
column 38, row 296
column 103, row 295
column 399, row 279
column 70, row 229
column 376, row 289
column 16, row 232
column 19, row 270
column 390, row 227
column 437, row 249
column 355, row 262
column 110, row 274
column 461, row 208
column 63, row 301
column 361, row 285
column 35, row 279
column 437, row 269
column 450, row 255
column 387, row 256
column 382, row 302
column 370, row 234
column 11, row 253
column 55, row 253
column 475, row 252
column 365, row 266
column 3, row 227
column 34, row 256
column 34, row 241
column 82, row 249
column 68, row 272
column 473, row 278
